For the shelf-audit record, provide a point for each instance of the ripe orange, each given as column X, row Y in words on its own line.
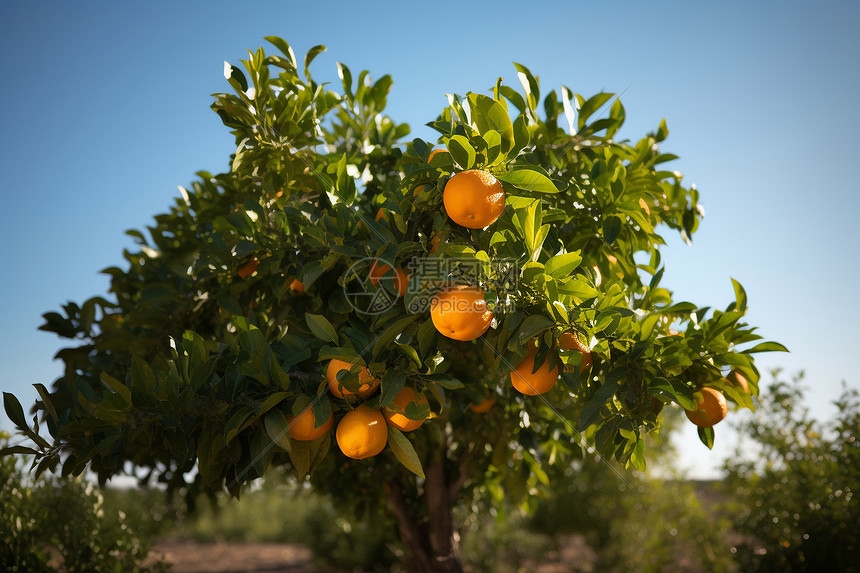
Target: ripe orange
column 711, row 408
column 297, row 286
column 394, row 414
column 249, row 268
column 434, row 242
column 369, row 384
column 569, row 341
column 474, row 199
column 484, row 406
column 533, row 383
column 422, row 188
column 362, row 433
column 460, row 312
column 401, row 281
column 302, row 426
column 738, row 380
column 434, row 152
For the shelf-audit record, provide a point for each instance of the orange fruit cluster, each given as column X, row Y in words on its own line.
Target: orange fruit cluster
column 363, row 432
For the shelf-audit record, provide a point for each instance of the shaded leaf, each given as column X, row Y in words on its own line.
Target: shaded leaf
column 404, row 451
column 321, row 327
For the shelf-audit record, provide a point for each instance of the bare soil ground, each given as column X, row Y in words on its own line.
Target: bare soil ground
column 187, row 556
column 222, row 557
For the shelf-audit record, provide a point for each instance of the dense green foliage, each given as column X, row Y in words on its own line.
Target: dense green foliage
column 795, row 496
column 52, row 524
column 197, row 359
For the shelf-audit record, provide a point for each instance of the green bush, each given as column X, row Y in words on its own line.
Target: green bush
column 49, row 524
column 635, row 522
column 795, row 497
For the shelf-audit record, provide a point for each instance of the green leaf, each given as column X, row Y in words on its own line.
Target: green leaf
column 661, row 387
column 591, row 410
column 392, row 382
column 121, row 389
column 447, row 382
column 242, row 222
column 321, row 327
column 46, row 400
column 707, row 437
column 345, row 78
column 261, row 451
column 740, row 296
column 590, row 106
column 14, row 411
column 284, row 47
column 142, row 376
column 530, row 85
column 490, row 115
column 390, row 333
column 766, row 347
column 321, row 409
column 680, row 307
column 404, row 452
column 312, row 53
column 426, row 337
column 562, row 265
column 462, row 151
column 532, row 326
column 569, row 112
column 341, row 353
column 235, row 77
column 237, row 422
column 301, row 457
column 578, row 289
column 272, row 400
column 637, row 458
column 611, row 228
column 605, row 318
column 409, row 352
column 277, row 427
column 529, row 180
column 17, row 450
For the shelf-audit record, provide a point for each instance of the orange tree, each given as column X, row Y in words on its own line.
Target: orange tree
column 530, row 253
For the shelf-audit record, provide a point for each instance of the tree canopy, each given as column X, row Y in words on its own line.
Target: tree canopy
column 222, row 325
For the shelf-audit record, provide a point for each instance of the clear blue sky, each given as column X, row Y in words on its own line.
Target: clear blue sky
column 106, row 110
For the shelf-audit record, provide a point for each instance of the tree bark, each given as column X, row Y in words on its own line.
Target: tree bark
column 410, row 533
column 433, row 547
column 446, row 549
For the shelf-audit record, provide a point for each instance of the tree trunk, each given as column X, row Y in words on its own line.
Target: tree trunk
column 432, row 546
